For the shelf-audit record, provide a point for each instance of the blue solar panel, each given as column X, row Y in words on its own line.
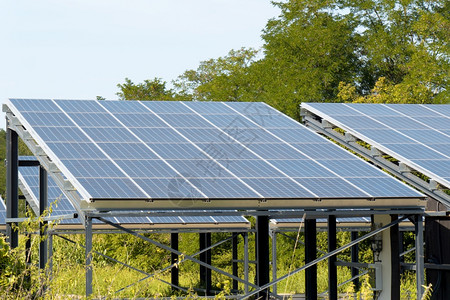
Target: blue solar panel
column 203, row 150
column 417, row 135
column 60, row 205
column 301, row 168
column 323, row 151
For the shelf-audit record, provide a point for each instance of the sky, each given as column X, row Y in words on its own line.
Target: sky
column 80, row 49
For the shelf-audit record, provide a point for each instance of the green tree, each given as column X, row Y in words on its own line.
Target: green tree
column 222, row 79
column 404, row 53
column 154, row 89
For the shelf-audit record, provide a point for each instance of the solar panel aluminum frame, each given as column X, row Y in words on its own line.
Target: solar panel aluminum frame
column 310, row 117
column 86, row 203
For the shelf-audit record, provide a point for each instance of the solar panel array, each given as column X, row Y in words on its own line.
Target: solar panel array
column 412, row 133
column 202, row 150
column 60, row 205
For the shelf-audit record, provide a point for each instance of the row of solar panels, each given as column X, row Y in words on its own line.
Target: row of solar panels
column 143, row 150
column 61, row 206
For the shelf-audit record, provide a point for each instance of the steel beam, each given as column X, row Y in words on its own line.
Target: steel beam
column 420, row 264
column 12, row 185
column 310, row 255
column 88, row 256
column 205, row 273
column 246, row 269
column 395, row 260
column 262, row 254
column 332, row 268
column 235, row 267
column 274, row 261
column 174, row 260
column 43, row 200
column 354, row 252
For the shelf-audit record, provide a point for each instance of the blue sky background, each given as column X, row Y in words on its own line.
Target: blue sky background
column 79, row 49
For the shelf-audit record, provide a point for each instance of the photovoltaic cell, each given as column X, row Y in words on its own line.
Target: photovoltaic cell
column 121, row 150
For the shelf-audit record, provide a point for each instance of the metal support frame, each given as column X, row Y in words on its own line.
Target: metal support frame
column 310, row 255
column 324, row 257
column 205, row 256
column 420, row 276
column 12, row 185
column 246, row 269
column 332, row 268
column 174, row 276
column 395, row 259
column 43, row 200
column 28, row 248
column 50, row 255
column 234, row 264
column 88, row 255
column 354, row 252
column 186, row 256
column 274, row 261
column 262, row 254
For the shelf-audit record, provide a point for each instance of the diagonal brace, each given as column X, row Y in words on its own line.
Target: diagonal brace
column 176, row 252
column 326, row 256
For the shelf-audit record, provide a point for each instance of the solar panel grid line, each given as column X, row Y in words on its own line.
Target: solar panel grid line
column 438, row 112
column 322, row 111
column 257, row 155
column 424, row 124
column 314, row 160
column 395, row 130
column 154, row 152
column 118, row 167
column 204, row 152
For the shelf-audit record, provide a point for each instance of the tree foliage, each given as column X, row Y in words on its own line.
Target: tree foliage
column 154, row 89
column 223, row 79
column 390, row 51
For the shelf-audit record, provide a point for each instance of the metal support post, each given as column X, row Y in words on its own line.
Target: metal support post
column 332, row 268
column 262, row 254
column 43, row 196
column 246, row 262
column 310, row 255
column 395, row 260
column 234, row 244
column 50, row 256
column 274, row 260
column 205, row 273
column 12, row 185
column 88, row 228
column 420, row 267
column 174, row 260
column 354, row 252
